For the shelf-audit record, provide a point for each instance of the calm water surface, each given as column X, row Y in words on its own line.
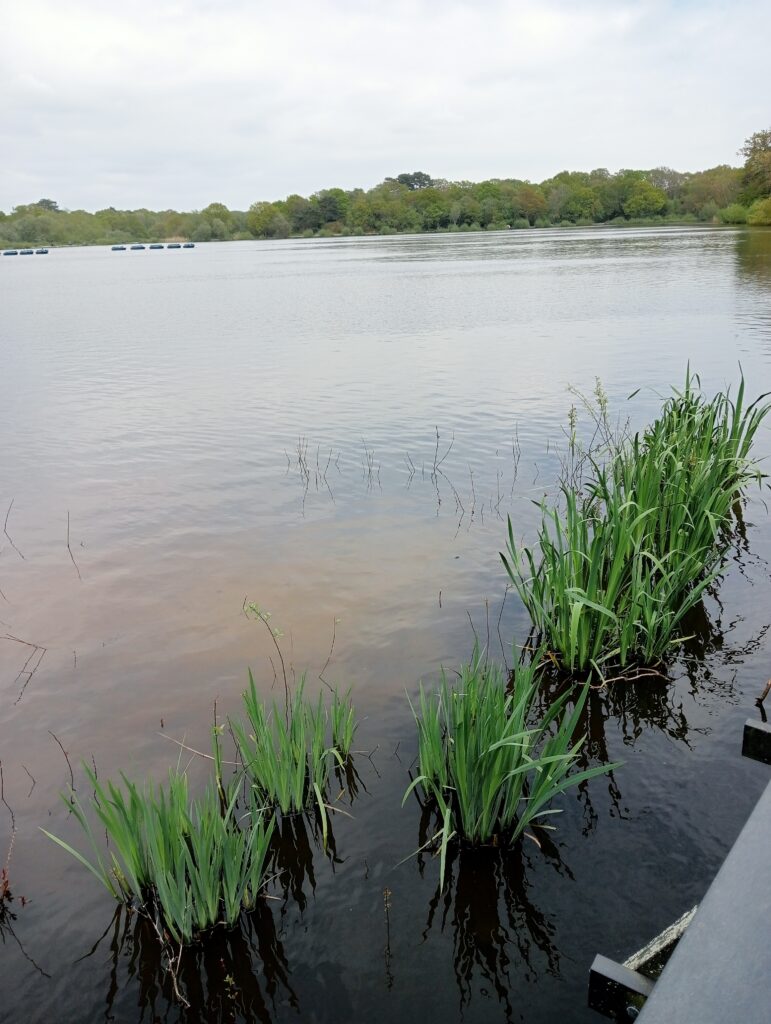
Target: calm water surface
column 261, row 421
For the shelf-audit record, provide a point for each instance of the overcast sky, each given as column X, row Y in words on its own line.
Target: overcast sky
column 147, row 103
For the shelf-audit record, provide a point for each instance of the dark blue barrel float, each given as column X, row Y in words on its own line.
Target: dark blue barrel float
column 118, row 248
column 173, row 245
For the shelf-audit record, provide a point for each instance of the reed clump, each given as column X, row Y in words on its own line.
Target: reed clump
column 488, row 760
column 190, row 865
column 620, row 562
column 289, row 755
column 187, row 864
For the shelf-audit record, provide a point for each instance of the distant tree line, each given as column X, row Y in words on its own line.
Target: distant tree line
column 415, row 202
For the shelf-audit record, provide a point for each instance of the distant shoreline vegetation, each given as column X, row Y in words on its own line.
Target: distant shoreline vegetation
column 415, row 202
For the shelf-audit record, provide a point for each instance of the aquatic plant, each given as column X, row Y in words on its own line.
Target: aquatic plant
column 488, row 760
column 289, row 754
column 616, row 569
column 187, row 865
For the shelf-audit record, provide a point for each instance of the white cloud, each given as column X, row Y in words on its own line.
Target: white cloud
column 179, row 104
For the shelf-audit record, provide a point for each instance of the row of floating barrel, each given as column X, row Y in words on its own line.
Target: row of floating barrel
column 155, row 245
column 25, row 252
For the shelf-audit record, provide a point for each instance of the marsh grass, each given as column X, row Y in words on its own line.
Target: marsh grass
column 289, row 754
column 488, row 759
column 191, row 864
column 187, row 864
column 621, row 561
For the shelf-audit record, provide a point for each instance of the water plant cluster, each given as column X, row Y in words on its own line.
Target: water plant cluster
column 489, row 762
column 629, row 551
column 189, row 864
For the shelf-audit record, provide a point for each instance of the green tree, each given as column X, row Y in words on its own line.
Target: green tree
column 719, row 185
column 645, row 200
column 414, row 181
column 266, row 220
column 581, row 202
column 760, row 212
column 756, row 178
column 47, row 204
column 333, row 204
column 218, row 210
column 532, row 203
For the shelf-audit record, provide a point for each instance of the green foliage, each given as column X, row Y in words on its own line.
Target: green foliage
column 414, row 181
column 718, row 185
column 188, row 863
column 709, row 211
column 756, row 177
column 645, row 200
column 615, row 572
column 733, row 214
column 289, row 755
column 488, row 760
column 266, row 220
column 415, row 202
column 760, row 212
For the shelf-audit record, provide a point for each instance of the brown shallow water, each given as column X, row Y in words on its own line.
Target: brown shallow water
column 260, row 420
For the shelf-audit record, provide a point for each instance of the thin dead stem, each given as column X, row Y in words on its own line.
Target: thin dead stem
column 36, row 656
column 77, row 570
column 66, row 758
column 5, row 530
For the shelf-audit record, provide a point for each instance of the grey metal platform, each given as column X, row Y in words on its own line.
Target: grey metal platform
column 720, row 972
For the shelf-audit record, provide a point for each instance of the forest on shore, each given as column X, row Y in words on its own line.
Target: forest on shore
column 415, row 202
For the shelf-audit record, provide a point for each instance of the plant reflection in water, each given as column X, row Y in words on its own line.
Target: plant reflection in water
column 238, row 974
column 229, row 975
column 498, row 933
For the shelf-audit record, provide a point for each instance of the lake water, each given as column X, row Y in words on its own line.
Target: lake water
column 184, row 430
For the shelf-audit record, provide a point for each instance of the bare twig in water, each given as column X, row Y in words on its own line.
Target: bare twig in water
column 13, row 823
column 77, row 570
column 631, row 676
column 192, row 750
column 36, row 655
column 437, row 461
column 66, row 758
column 759, row 700
column 387, row 906
column 9, row 928
column 473, row 493
column 34, row 780
column 5, row 530
column 371, row 469
column 172, row 968
column 516, row 454
column 329, row 656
